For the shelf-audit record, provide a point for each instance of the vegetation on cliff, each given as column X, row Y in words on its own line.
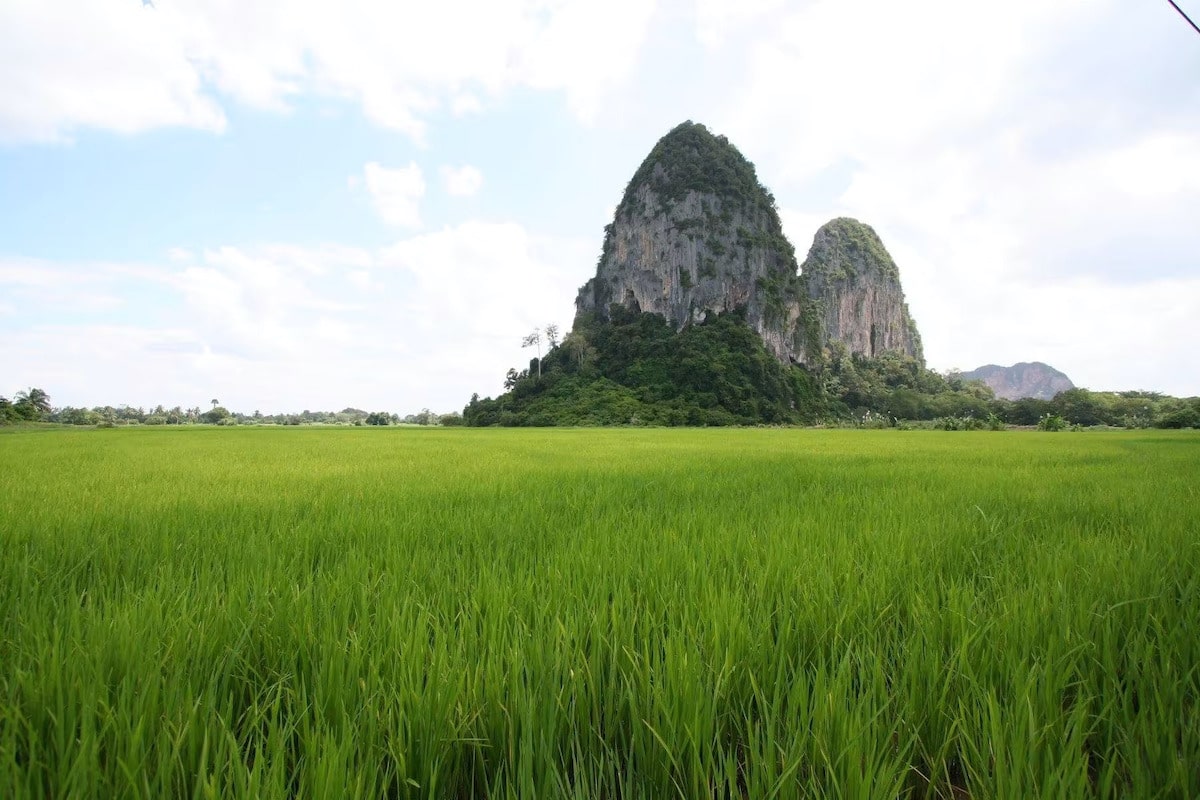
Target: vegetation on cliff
column 635, row 369
column 691, row 159
column 852, row 243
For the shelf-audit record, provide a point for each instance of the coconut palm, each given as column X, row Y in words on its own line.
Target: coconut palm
column 33, row 404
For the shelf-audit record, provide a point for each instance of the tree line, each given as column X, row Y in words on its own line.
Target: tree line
column 33, row 405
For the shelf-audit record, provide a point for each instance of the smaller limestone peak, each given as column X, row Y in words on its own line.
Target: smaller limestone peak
column 846, row 249
column 855, row 287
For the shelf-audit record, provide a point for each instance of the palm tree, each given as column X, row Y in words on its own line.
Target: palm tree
column 33, row 404
column 214, row 401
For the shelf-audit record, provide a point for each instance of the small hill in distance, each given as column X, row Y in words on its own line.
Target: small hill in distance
column 1026, row 379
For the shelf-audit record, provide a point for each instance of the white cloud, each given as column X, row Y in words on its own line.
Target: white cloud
column 127, row 67
column 465, row 104
column 116, row 66
column 586, row 49
column 282, row 328
column 476, row 289
column 870, row 80
column 716, row 20
column 34, row 283
column 396, row 193
column 462, row 181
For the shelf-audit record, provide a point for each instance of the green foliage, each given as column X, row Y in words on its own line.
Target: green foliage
column 1052, row 422
column 902, row 388
column 848, row 242
column 967, row 423
column 1180, row 417
column 32, row 405
column 635, row 370
column 809, row 335
column 1081, row 407
column 779, row 291
column 216, row 416
column 1110, row 409
column 691, row 159
column 311, row 613
column 378, row 418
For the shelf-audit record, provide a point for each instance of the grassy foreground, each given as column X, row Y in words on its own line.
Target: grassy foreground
column 604, row 613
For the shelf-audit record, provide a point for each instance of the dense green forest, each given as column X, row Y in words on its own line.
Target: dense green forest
column 635, row 370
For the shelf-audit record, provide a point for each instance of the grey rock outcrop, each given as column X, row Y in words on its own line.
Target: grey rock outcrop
column 855, row 286
column 696, row 233
column 1026, row 379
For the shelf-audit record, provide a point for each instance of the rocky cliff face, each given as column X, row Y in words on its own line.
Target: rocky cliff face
column 1027, row 379
column 855, row 287
column 696, row 233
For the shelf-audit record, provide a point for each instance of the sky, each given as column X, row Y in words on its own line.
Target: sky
column 314, row 205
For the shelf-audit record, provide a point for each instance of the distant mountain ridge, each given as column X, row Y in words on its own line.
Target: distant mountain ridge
column 1025, row 379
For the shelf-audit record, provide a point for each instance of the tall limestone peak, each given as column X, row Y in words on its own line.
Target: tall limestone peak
column 855, row 286
column 696, row 233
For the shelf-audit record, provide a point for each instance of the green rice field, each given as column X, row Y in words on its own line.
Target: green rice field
column 450, row 613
